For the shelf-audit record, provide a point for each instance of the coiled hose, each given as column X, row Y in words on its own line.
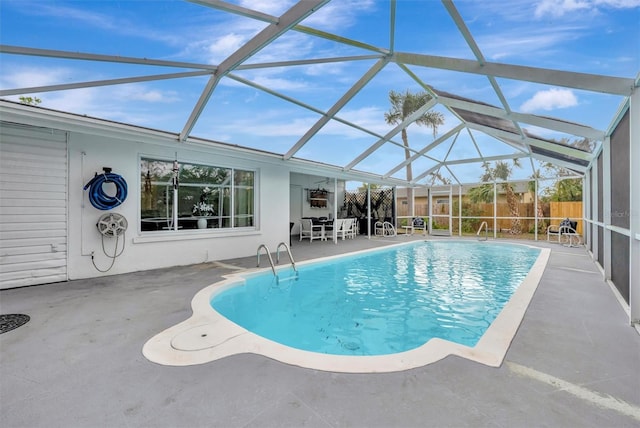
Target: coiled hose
column 97, row 196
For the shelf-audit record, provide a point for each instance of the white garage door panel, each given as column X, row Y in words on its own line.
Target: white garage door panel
column 10, row 244
column 33, row 216
column 18, row 210
column 32, row 221
column 33, row 249
column 34, row 203
column 36, row 276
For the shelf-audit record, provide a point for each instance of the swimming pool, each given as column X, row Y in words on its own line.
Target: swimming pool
column 382, row 302
column 442, row 307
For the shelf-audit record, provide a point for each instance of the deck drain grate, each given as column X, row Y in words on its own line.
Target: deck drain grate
column 9, row 322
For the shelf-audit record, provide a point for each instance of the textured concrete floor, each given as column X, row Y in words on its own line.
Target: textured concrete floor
column 78, row 363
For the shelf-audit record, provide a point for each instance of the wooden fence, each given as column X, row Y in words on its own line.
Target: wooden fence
column 562, row 210
column 553, row 213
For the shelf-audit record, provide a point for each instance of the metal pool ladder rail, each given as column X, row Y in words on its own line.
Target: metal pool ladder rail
column 273, row 268
column 486, row 236
column 286, row 247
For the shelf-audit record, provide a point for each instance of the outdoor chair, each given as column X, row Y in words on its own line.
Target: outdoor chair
column 566, row 229
column 417, row 223
column 384, row 228
column 553, row 233
column 310, row 231
column 572, row 236
column 339, row 228
column 350, row 227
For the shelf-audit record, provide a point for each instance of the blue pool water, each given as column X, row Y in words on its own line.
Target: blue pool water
column 382, row 302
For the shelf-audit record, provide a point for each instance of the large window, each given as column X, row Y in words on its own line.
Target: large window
column 202, row 197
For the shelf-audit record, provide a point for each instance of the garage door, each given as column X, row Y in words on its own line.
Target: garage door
column 33, row 207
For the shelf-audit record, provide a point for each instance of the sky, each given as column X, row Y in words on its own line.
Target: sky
column 588, row 36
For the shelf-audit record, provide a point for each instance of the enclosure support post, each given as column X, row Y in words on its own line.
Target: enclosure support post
column 595, row 191
column 495, row 210
column 535, row 209
column 606, row 203
column 634, row 205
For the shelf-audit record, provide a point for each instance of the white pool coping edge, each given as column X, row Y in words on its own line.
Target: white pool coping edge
column 207, row 336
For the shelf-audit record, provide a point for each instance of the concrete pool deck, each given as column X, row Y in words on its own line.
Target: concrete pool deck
column 78, row 362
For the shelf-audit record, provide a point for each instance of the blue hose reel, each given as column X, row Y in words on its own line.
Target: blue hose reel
column 97, row 196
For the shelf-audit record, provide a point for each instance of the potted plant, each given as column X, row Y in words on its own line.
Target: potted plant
column 203, row 208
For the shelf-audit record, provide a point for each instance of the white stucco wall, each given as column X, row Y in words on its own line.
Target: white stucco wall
column 90, row 153
column 94, row 143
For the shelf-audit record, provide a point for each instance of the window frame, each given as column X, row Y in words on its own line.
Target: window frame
column 231, row 217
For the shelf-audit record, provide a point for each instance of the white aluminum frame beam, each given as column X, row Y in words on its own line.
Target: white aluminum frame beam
column 50, row 53
column 588, row 82
column 486, row 159
column 558, row 148
column 392, row 25
column 250, row 13
column 435, row 143
column 370, row 74
column 78, row 85
column 398, row 128
column 542, row 122
column 238, row 10
column 293, row 16
column 558, row 162
column 312, row 61
column 457, row 18
column 313, row 109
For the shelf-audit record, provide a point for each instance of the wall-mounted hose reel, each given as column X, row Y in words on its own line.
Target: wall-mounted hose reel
column 97, row 195
column 111, row 225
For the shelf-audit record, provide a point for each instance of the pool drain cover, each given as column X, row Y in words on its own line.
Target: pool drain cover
column 351, row 346
column 9, row 322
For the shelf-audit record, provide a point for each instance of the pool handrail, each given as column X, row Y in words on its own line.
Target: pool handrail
column 266, row 249
column 486, row 231
column 286, row 247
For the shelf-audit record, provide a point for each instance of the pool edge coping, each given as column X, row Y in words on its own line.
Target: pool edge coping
column 207, row 335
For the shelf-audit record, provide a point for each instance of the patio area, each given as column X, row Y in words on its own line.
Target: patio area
column 78, row 361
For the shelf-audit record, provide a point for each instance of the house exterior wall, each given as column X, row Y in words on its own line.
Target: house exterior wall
column 89, row 153
column 93, row 145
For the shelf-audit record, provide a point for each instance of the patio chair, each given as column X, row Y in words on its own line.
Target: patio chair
column 553, row 233
column 569, row 231
column 418, row 223
column 339, row 228
column 350, row 227
column 384, row 228
column 310, row 231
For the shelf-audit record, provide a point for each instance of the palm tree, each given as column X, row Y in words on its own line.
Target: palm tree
column 402, row 106
column 500, row 171
column 536, row 176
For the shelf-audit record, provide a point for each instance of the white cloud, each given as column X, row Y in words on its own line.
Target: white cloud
column 337, row 15
column 332, row 68
column 140, row 92
column 224, row 46
column 280, row 84
column 271, row 7
column 27, row 77
column 560, row 8
column 550, row 100
column 515, row 42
